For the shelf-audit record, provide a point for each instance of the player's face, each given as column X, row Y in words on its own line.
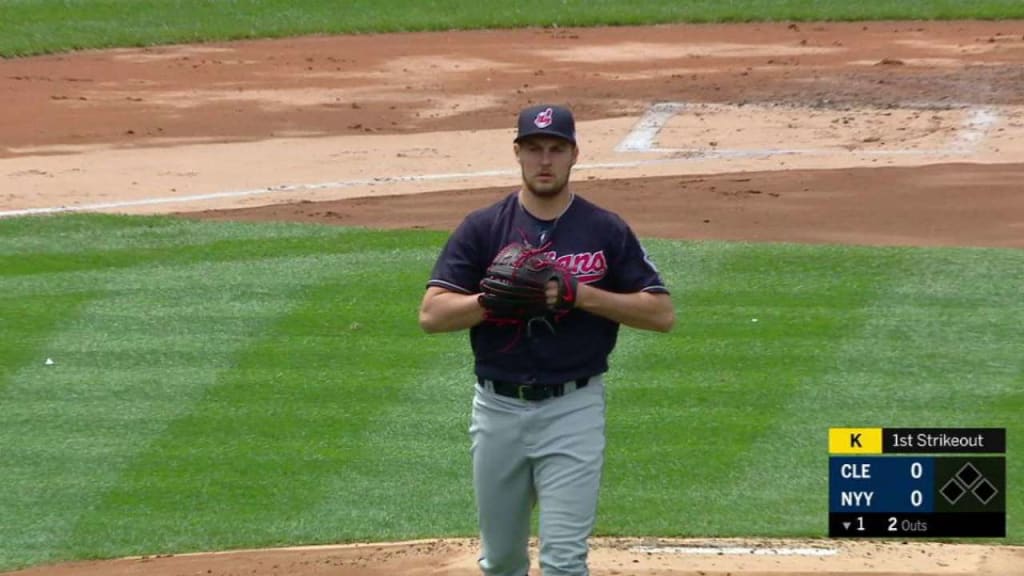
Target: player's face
column 546, row 163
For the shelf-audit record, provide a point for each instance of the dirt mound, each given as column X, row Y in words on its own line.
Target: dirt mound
column 609, row 556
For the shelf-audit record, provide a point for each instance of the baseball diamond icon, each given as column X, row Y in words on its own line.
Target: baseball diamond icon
column 968, row 475
column 985, row 491
column 952, row 491
column 968, row 479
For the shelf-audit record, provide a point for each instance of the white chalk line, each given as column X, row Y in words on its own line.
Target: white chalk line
column 734, row 551
column 975, row 129
column 641, row 138
column 644, row 135
column 251, row 192
column 315, row 186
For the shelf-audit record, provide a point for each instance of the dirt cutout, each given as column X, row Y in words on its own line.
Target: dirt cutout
column 887, row 133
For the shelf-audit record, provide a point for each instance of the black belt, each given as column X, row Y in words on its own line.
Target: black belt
column 531, row 392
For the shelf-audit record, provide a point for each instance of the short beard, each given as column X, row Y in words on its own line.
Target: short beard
column 548, row 191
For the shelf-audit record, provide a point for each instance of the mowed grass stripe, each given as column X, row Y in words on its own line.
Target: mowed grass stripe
column 685, row 432
column 159, row 330
column 134, row 359
column 251, row 461
column 42, row 245
column 29, row 319
column 258, row 347
column 938, row 349
column 645, row 369
column 417, row 481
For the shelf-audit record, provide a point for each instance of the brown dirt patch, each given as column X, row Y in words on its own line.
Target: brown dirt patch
column 891, row 206
column 885, row 133
column 609, row 556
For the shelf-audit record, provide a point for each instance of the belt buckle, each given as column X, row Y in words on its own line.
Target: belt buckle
column 520, row 391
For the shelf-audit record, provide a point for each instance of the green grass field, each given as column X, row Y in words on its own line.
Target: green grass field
column 40, row 26
column 236, row 385
column 240, row 385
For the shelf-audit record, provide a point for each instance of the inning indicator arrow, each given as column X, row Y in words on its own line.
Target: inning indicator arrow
column 846, row 525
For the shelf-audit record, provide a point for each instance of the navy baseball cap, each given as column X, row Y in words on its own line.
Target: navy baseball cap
column 547, row 120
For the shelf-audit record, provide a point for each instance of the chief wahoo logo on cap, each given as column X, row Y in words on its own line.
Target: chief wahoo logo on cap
column 544, row 119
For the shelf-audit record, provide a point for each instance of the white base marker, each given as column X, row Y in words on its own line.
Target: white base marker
column 644, row 133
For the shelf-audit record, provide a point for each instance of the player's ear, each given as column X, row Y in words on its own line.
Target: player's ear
column 575, row 154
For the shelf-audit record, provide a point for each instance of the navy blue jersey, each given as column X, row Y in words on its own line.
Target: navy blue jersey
column 595, row 244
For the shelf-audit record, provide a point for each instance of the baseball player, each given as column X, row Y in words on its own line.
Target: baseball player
column 542, row 279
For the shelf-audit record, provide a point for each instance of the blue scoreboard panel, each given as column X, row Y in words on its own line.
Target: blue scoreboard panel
column 917, row 482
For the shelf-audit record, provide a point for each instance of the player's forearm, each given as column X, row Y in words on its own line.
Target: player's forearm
column 445, row 311
column 643, row 310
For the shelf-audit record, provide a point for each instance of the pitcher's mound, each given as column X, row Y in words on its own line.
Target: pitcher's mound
column 609, row 556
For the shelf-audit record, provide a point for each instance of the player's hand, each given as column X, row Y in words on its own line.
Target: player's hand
column 525, row 282
column 551, row 292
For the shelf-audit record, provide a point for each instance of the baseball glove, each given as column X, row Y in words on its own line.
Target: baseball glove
column 515, row 284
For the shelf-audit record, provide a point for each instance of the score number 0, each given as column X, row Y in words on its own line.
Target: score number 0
column 916, row 497
column 916, row 472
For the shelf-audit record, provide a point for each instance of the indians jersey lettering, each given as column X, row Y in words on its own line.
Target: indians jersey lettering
column 596, row 245
column 587, row 267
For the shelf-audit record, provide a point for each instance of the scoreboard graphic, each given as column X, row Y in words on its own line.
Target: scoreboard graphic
column 917, row 482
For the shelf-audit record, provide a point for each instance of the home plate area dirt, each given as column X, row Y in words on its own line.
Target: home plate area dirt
column 883, row 133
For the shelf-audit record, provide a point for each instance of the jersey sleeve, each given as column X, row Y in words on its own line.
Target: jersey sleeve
column 636, row 270
column 458, row 267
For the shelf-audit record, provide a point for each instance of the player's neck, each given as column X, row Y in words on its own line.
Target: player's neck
column 545, row 207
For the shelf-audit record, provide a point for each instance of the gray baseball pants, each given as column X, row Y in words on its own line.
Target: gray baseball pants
column 548, row 453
